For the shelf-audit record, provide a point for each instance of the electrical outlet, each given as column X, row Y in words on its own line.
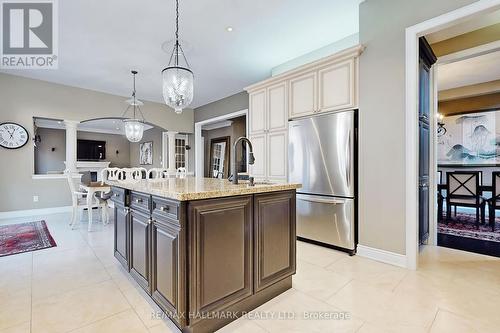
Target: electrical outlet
column 35, row 198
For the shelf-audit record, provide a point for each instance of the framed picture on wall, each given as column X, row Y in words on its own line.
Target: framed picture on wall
column 146, row 153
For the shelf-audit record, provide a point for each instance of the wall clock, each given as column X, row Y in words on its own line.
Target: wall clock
column 13, row 136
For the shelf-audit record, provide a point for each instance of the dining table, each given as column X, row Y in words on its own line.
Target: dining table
column 92, row 188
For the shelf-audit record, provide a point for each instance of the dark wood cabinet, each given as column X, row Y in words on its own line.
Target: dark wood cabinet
column 122, row 224
column 220, row 253
column 168, row 259
column 201, row 258
column 274, row 238
column 140, row 238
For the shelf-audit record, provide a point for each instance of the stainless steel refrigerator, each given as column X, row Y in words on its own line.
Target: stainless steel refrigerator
column 322, row 157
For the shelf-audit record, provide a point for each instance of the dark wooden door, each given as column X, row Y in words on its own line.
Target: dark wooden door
column 122, row 225
column 168, row 268
column 427, row 59
column 274, row 238
column 220, row 253
column 140, row 236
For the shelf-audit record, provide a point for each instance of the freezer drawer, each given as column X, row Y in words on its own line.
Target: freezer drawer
column 326, row 219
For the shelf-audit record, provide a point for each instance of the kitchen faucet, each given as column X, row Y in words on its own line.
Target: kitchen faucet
column 251, row 158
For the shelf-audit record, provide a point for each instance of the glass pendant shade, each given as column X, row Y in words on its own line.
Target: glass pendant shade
column 178, row 87
column 134, row 129
column 178, row 79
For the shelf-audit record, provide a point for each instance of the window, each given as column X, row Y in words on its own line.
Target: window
column 180, row 152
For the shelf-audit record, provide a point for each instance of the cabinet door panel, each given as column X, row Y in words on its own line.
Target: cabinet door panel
column 258, row 169
column 257, row 111
column 167, row 265
column 336, row 86
column 303, row 95
column 277, row 143
column 274, row 240
column 139, row 248
column 220, row 255
column 277, row 107
column 121, row 220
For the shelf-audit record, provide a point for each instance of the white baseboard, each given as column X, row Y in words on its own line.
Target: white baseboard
column 34, row 212
column 387, row 257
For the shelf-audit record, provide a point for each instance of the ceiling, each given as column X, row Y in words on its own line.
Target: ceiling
column 483, row 68
column 464, row 27
column 108, row 126
column 100, row 41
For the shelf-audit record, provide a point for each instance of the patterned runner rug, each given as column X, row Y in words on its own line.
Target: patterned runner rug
column 464, row 225
column 24, row 237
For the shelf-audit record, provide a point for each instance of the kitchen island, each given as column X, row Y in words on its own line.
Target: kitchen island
column 205, row 250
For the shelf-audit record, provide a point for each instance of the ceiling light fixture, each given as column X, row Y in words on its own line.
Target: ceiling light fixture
column 134, row 127
column 229, row 29
column 178, row 79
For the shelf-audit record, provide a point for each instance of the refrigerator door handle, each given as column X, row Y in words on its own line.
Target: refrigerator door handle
column 348, row 160
column 331, row 201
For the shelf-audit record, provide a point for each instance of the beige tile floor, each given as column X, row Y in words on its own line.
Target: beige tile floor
column 78, row 286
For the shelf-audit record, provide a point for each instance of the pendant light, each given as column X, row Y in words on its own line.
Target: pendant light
column 178, row 79
column 134, row 127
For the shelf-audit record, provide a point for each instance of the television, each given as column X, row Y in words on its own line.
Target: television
column 90, row 150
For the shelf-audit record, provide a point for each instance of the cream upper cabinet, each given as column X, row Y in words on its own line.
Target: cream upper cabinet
column 257, row 111
column 336, row 86
column 277, row 113
column 303, row 92
column 258, row 169
column 277, row 143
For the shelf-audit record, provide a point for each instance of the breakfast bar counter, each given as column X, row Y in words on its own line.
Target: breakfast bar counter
column 206, row 250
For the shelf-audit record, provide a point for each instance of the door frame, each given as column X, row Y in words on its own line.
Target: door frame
column 412, row 35
column 199, row 142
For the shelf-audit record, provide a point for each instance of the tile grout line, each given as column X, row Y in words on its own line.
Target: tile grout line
column 95, row 321
column 434, row 319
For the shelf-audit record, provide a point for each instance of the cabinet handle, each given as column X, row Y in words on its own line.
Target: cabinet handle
column 116, row 195
column 125, row 210
column 164, row 208
column 150, row 221
column 138, row 200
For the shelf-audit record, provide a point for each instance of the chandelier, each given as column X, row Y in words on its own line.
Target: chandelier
column 134, row 127
column 178, row 79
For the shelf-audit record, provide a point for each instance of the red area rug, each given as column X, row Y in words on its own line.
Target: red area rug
column 24, row 237
column 464, row 225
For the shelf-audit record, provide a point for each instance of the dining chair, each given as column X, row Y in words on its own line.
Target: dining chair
column 494, row 201
column 156, row 173
column 462, row 188
column 112, row 174
column 181, row 172
column 79, row 202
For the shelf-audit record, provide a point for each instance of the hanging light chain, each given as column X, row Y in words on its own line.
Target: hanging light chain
column 176, row 32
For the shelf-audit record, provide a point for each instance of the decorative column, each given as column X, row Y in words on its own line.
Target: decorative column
column 71, row 137
column 171, row 152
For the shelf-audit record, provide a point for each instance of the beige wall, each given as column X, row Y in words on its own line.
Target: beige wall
column 233, row 103
column 382, row 116
column 154, row 135
column 22, row 99
column 47, row 160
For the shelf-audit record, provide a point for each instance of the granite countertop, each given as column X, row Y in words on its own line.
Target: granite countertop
column 195, row 188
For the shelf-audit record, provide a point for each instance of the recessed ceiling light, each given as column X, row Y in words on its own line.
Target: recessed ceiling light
column 229, row 29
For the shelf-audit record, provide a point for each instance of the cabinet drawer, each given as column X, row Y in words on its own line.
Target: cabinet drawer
column 164, row 208
column 140, row 201
column 118, row 195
